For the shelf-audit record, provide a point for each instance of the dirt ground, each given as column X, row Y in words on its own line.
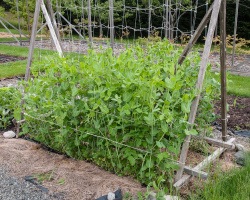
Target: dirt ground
column 239, row 112
column 4, row 58
column 82, row 180
column 8, row 35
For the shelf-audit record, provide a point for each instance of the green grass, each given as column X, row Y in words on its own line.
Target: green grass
column 232, row 185
column 239, row 86
column 18, row 68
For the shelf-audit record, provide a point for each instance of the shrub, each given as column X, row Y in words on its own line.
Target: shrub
column 127, row 114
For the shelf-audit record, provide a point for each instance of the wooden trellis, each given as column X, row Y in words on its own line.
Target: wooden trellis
column 218, row 6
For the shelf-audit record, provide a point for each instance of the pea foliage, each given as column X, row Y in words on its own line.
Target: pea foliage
column 127, row 113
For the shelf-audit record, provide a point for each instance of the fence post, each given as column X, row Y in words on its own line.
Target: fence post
column 89, row 23
column 17, row 7
column 235, row 29
column 111, row 19
column 223, row 69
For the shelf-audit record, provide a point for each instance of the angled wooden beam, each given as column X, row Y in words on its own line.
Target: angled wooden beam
column 195, row 172
column 51, row 28
column 200, row 166
column 44, row 25
column 202, row 71
column 13, row 26
column 215, row 142
column 32, row 41
column 71, row 26
column 9, row 31
column 53, row 21
column 196, row 35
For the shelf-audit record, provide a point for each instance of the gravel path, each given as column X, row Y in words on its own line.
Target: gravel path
column 12, row 188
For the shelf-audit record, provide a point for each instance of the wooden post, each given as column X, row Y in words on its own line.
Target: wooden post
column 111, row 19
column 89, row 23
column 51, row 28
column 17, row 7
column 235, row 29
column 9, row 31
column 149, row 18
column 82, row 20
column 223, row 69
column 28, row 13
column 32, row 40
column 196, row 35
column 166, row 28
column 203, row 66
column 51, row 14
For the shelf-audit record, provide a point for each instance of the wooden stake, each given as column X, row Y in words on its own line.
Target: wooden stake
column 89, row 23
column 166, row 28
column 111, row 18
column 203, row 164
column 149, row 18
column 203, row 66
column 235, row 29
column 196, row 35
column 17, row 7
column 32, row 40
column 51, row 14
column 72, row 26
column 51, row 28
column 223, row 69
column 28, row 13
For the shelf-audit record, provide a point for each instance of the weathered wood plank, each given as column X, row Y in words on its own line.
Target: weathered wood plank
column 223, row 69
column 9, row 31
column 200, row 166
column 196, row 35
column 195, row 172
column 215, row 142
column 53, row 21
column 51, row 28
column 203, row 67
column 89, row 23
column 71, row 26
column 13, row 26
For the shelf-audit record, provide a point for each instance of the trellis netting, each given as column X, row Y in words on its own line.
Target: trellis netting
column 126, row 113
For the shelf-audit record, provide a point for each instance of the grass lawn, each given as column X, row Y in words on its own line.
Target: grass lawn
column 232, row 185
column 18, row 68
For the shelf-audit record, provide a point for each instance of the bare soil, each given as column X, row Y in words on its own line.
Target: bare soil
column 83, row 180
column 239, row 112
column 8, row 35
column 4, row 58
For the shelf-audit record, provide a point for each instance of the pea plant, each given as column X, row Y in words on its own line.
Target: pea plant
column 8, row 99
column 127, row 114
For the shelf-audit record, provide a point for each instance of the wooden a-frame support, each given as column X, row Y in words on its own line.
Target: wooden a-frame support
column 212, row 14
column 49, row 16
column 50, row 20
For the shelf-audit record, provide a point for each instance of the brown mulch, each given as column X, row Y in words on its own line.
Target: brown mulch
column 79, row 179
column 4, row 58
column 239, row 112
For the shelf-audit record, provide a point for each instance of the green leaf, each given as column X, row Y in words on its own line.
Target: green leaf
column 185, row 107
column 74, row 91
column 104, row 108
column 150, row 163
column 191, row 132
column 131, row 160
column 170, row 82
